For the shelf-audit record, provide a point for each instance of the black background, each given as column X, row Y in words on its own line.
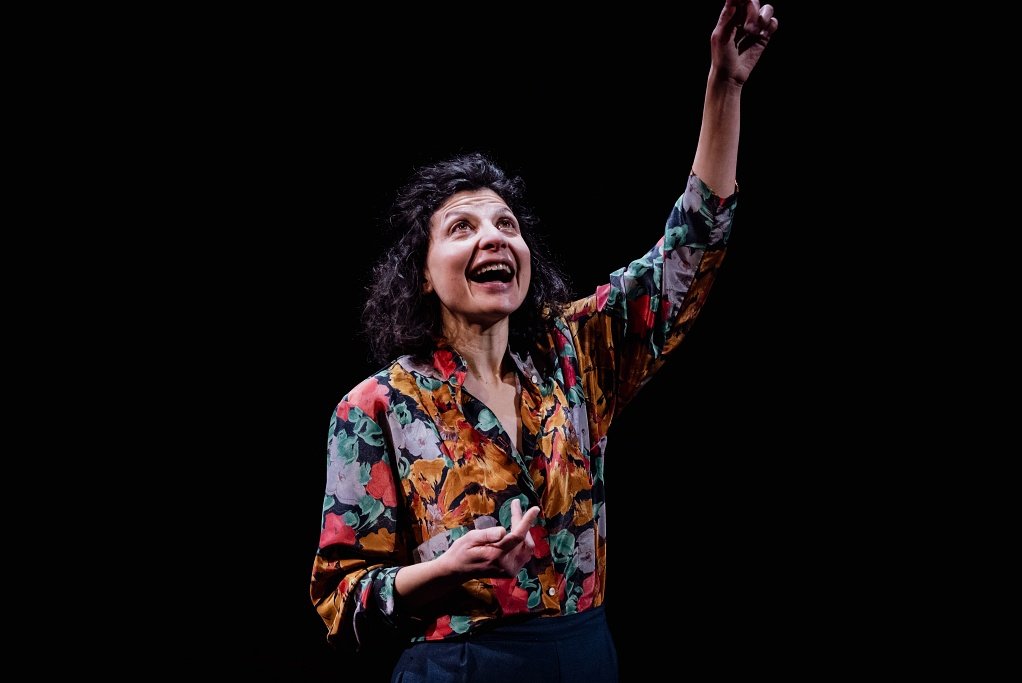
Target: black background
column 724, row 520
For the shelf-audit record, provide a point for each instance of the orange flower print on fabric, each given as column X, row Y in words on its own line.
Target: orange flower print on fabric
column 493, row 471
column 471, row 507
column 551, row 578
column 425, row 478
column 583, row 512
column 381, row 542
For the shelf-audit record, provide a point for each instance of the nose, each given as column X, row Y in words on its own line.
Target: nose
column 491, row 237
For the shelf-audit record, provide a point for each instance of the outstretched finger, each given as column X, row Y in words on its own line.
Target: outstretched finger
column 730, row 11
column 516, row 511
column 732, row 18
column 526, row 522
column 520, row 525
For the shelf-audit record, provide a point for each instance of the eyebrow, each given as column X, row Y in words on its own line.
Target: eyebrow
column 461, row 214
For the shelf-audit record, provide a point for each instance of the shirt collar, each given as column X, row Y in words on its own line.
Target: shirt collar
column 449, row 365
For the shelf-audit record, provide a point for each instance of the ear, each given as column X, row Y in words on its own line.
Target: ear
column 427, row 286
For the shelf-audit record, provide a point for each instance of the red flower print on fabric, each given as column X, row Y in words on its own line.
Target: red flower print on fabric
column 512, row 597
column 539, row 537
column 370, row 397
column 602, row 294
column 381, row 484
column 440, row 629
column 585, row 601
column 640, row 318
column 444, row 362
column 336, row 531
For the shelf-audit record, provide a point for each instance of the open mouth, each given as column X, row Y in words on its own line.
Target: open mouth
column 492, row 272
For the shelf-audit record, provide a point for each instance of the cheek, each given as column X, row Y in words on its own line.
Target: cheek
column 444, row 266
column 434, row 263
column 525, row 262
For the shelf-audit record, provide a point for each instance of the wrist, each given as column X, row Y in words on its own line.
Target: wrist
column 445, row 572
column 723, row 84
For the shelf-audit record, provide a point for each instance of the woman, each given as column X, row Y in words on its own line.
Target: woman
column 464, row 512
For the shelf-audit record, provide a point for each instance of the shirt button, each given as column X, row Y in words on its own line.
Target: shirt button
column 535, row 379
column 551, row 591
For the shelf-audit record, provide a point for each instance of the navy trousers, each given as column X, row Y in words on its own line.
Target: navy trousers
column 564, row 649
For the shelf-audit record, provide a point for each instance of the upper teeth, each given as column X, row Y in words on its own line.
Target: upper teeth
column 493, row 266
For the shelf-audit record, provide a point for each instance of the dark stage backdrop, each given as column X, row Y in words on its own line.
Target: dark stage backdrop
column 712, row 525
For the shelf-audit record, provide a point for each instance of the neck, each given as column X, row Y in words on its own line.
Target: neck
column 485, row 356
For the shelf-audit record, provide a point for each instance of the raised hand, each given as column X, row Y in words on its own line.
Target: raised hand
column 494, row 551
column 738, row 40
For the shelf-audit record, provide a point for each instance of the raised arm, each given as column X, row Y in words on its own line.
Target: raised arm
column 736, row 44
column 622, row 334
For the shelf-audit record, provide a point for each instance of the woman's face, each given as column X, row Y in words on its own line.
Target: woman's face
column 477, row 264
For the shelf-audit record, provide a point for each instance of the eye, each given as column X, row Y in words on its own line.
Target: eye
column 507, row 224
column 461, row 226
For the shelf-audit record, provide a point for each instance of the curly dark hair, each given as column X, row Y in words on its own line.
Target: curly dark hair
column 399, row 318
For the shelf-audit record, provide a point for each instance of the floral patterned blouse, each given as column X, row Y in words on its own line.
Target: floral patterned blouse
column 414, row 461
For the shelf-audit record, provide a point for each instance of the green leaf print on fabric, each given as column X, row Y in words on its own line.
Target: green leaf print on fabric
column 371, row 508
column 328, row 503
column 460, row 623
column 364, row 473
column 562, row 546
column 346, row 446
column 526, row 581
column 614, row 298
column 546, row 387
column 675, row 236
column 637, row 269
column 487, row 420
column 571, row 567
column 428, row 383
column 531, row 585
column 350, row 518
column 404, row 416
column 365, row 428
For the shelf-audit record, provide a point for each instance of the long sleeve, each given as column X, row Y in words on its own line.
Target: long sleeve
column 629, row 325
column 360, row 547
